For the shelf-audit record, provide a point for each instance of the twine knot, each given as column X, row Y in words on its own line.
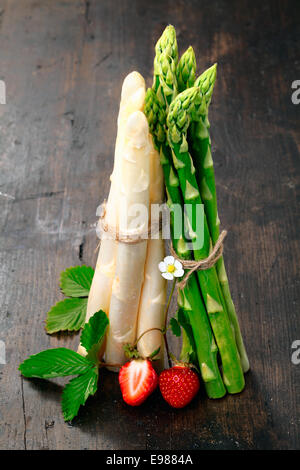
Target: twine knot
column 200, row 265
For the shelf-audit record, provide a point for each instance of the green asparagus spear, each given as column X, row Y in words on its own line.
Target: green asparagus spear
column 191, row 298
column 201, row 154
column 165, row 63
column 185, row 74
column 186, row 70
column 186, row 108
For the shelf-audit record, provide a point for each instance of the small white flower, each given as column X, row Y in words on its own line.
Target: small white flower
column 170, row 268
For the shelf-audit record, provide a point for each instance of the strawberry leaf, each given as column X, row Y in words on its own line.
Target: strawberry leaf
column 188, row 338
column 93, row 333
column 175, row 327
column 77, row 391
column 76, row 281
column 58, row 362
column 69, row 314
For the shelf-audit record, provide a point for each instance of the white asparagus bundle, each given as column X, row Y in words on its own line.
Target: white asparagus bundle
column 130, row 262
column 114, row 289
column 153, row 298
column 132, row 99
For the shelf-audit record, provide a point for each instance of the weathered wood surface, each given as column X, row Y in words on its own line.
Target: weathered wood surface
column 63, row 63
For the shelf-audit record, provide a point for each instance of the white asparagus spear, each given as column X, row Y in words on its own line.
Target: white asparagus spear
column 130, row 262
column 157, row 190
column 153, row 301
column 132, row 99
column 153, row 298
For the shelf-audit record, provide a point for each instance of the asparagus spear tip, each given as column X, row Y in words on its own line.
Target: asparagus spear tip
column 206, row 82
column 186, row 70
column 168, row 43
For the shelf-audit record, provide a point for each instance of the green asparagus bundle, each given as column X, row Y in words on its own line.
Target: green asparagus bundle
column 202, row 158
column 201, row 153
column 186, row 108
column 190, row 296
column 184, row 145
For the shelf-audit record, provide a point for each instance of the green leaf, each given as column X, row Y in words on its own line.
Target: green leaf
column 76, row 281
column 175, row 327
column 58, row 362
column 94, row 331
column 187, row 352
column 69, row 314
column 77, row 391
column 188, row 338
column 184, row 322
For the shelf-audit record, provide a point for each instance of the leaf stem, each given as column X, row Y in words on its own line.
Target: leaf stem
column 108, row 364
column 166, row 318
column 144, row 332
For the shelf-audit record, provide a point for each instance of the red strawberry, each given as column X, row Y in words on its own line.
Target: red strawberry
column 179, row 385
column 137, row 380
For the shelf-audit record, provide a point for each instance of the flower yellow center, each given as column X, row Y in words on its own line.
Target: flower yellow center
column 171, row 268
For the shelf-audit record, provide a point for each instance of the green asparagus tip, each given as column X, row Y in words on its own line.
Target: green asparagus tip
column 150, row 108
column 213, row 70
column 186, row 70
column 188, row 105
column 168, row 43
column 206, row 82
column 156, row 116
column 188, row 52
column 169, row 34
column 149, row 95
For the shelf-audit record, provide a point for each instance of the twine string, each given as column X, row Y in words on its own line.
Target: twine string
column 132, row 237
column 200, row 265
column 136, row 236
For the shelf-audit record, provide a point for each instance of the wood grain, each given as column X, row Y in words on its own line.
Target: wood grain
column 63, row 63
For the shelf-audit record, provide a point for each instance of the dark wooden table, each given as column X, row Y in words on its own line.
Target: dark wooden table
column 63, row 62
